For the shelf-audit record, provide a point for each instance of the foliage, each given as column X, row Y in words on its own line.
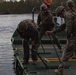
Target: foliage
column 24, row 7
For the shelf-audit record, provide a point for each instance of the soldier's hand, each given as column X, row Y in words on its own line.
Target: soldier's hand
column 67, row 42
column 74, row 13
column 38, row 29
column 49, row 32
column 33, row 43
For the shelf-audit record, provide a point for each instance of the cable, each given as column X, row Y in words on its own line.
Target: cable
column 55, row 50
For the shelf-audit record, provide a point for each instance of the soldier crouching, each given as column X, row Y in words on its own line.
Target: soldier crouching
column 27, row 30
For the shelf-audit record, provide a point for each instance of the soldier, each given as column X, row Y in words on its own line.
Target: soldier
column 48, row 3
column 45, row 22
column 27, row 30
column 70, row 27
column 70, row 8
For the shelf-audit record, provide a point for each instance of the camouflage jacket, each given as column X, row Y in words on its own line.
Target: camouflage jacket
column 73, row 11
column 31, row 28
column 45, row 19
column 69, row 25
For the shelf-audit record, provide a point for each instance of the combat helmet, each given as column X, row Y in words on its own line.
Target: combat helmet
column 43, row 7
column 70, row 3
column 59, row 10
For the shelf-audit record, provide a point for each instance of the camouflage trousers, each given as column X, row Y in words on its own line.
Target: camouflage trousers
column 27, row 50
column 68, row 52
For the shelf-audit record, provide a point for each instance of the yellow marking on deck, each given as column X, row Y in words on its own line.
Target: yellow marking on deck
column 18, row 48
column 49, row 60
column 46, row 59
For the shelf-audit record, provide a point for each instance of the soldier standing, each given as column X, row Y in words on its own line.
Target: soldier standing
column 70, row 8
column 70, row 27
column 45, row 22
column 27, row 30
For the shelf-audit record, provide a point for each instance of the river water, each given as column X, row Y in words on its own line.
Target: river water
column 8, row 24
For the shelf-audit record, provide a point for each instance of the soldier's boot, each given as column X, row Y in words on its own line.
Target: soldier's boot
column 25, row 61
column 34, row 55
column 58, row 71
column 34, row 62
column 25, row 51
column 74, row 55
column 26, row 58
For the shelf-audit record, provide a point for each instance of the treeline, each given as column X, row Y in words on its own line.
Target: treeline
column 16, row 7
column 22, row 7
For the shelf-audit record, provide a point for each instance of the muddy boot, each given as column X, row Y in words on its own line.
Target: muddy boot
column 74, row 57
column 58, row 71
column 34, row 54
column 25, row 59
column 34, row 62
column 25, row 62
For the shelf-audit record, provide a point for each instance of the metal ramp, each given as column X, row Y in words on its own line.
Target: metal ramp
column 46, row 64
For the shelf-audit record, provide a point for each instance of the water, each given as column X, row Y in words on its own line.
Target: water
column 8, row 24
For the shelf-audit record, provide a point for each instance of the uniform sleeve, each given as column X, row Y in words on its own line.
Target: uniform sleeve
column 38, row 19
column 60, row 28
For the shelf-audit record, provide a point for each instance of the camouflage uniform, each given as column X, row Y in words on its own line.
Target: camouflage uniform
column 27, row 30
column 70, row 8
column 73, row 11
column 70, row 26
column 45, row 22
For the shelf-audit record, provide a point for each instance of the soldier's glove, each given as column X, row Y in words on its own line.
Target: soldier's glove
column 49, row 32
column 33, row 43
